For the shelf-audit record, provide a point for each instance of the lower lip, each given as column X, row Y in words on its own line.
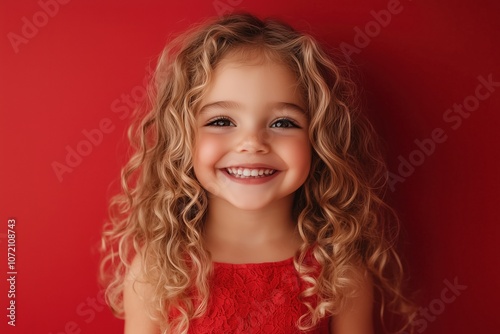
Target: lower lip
column 250, row 180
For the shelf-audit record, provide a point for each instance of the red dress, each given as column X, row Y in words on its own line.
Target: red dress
column 254, row 298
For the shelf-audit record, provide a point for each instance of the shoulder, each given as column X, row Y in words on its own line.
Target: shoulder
column 136, row 294
column 356, row 317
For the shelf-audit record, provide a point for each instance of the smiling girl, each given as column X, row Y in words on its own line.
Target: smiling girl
column 252, row 203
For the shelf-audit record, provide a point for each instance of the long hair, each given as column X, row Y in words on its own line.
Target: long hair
column 159, row 213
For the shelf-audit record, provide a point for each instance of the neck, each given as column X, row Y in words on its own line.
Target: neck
column 229, row 225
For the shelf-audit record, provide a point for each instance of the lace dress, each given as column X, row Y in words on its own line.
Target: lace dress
column 254, row 298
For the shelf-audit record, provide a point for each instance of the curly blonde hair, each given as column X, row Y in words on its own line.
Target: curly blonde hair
column 159, row 214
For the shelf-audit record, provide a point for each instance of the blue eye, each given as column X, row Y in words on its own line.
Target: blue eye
column 220, row 122
column 284, row 123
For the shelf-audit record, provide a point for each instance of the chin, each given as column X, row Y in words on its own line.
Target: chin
column 248, row 206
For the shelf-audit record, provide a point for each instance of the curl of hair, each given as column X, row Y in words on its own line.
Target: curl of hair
column 340, row 209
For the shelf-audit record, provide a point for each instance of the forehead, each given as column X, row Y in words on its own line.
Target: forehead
column 251, row 55
column 250, row 74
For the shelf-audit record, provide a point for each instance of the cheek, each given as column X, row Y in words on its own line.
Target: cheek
column 208, row 150
column 303, row 159
column 298, row 155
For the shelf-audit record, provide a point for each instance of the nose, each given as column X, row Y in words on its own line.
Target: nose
column 254, row 141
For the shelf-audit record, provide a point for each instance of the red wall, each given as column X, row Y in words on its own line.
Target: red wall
column 73, row 71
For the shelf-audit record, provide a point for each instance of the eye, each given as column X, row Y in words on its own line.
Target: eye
column 284, row 123
column 220, row 122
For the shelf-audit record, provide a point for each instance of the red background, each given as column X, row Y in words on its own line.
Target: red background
column 64, row 79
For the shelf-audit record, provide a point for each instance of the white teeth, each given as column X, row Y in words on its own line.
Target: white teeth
column 249, row 173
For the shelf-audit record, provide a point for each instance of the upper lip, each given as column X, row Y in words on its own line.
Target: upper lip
column 252, row 166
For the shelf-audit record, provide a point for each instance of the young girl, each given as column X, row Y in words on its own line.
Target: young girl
column 252, row 203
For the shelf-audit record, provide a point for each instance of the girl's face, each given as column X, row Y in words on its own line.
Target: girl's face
column 252, row 146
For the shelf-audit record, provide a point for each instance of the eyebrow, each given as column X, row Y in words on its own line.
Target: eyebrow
column 236, row 105
column 220, row 105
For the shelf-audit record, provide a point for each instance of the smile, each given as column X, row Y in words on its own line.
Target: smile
column 250, row 172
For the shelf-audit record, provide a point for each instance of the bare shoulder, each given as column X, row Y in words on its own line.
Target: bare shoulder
column 136, row 295
column 357, row 318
